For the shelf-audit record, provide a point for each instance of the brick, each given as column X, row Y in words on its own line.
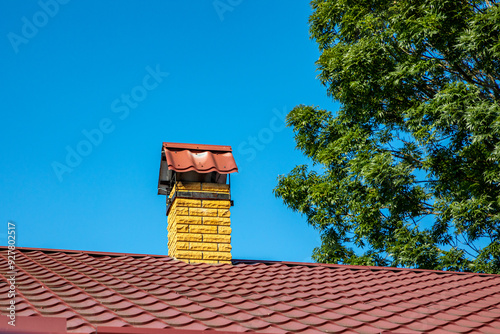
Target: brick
column 203, row 246
column 217, row 238
column 189, row 237
column 217, row 187
column 188, row 186
column 222, row 230
column 203, row 212
column 180, row 211
column 181, row 254
column 225, row 247
column 225, row 262
column 183, row 245
column 204, row 261
column 202, row 229
column 217, row 256
column 181, row 228
column 188, row 220
column 170, row 221
column 216, row 221
column 215, row 204
column 224, row 213
column 192, row 203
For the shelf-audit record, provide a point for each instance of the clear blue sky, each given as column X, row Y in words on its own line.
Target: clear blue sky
column 133, row 74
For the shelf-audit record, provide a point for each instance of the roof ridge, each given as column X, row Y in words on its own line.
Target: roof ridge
column 358, row 267
column 265, row 262
column 76, row 251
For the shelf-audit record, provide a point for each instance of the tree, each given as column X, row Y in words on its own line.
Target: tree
column 406, row 172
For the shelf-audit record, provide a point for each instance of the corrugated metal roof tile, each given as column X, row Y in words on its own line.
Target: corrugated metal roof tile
column 119, row 290
column 199, row 158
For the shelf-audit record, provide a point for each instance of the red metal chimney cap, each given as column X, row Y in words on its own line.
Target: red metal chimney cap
column 199, row 158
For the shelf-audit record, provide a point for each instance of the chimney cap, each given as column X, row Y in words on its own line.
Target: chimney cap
column 201, row 147
column 186, row 160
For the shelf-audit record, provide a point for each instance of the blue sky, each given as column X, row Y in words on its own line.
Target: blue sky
column 130, row 75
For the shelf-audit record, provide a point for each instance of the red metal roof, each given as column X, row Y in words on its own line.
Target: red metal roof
column 92, row 290
column 199, row 158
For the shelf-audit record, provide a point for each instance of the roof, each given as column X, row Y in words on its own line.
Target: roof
column 126, row 291
column 199, row 158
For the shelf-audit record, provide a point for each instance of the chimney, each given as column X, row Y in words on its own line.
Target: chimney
column 196, row 180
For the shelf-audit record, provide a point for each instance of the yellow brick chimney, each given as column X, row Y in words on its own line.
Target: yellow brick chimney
column 199, row 200
column 199, row 230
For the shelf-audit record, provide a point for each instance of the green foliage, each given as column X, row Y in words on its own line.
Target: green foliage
column 406, row 172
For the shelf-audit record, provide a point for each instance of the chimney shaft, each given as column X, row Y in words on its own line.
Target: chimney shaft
column 199, row 225
column 194, row 177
